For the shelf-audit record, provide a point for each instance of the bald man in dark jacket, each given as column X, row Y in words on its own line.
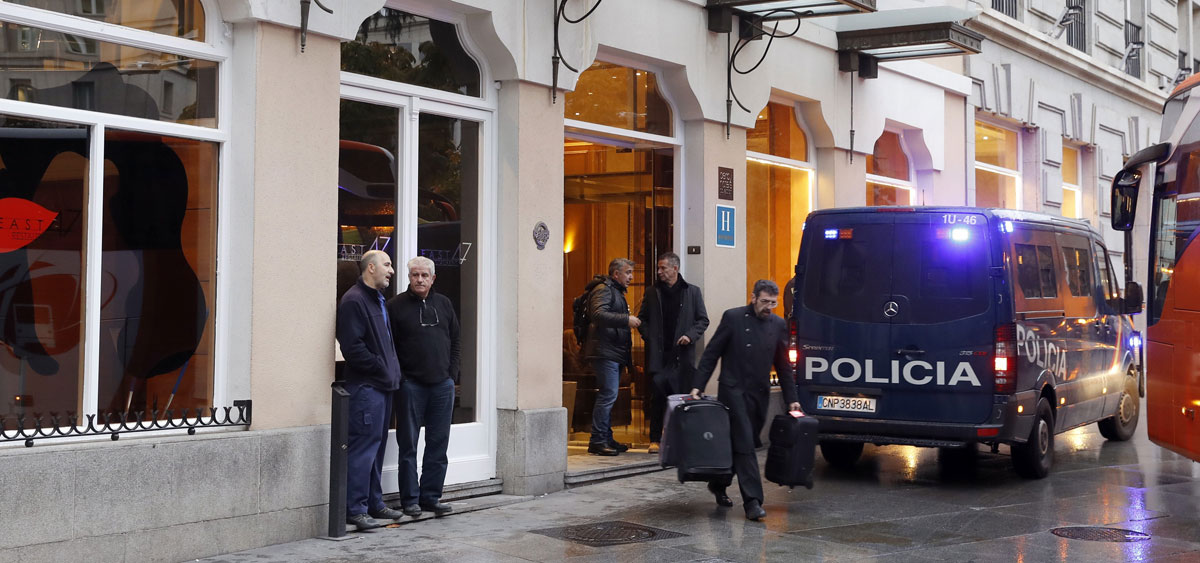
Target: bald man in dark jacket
column 748, row 342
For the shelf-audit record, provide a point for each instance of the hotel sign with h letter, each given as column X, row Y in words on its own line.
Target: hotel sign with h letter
column 725, row 226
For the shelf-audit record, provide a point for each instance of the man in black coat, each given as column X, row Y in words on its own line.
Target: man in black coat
column 371, row 373
column 608, row 347
column 673, row 319
column 426, row 332
column 748, row 342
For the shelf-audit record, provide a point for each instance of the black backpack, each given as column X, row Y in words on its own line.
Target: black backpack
column 580, row 307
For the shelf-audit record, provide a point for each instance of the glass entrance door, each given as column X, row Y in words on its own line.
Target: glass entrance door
column 409, row 179
column 618, row 204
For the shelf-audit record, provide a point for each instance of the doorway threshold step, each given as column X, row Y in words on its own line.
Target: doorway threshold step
column 588, row 469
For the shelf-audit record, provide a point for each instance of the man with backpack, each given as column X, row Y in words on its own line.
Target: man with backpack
column 607, row 347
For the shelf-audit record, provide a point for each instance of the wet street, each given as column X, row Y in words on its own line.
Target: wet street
column 900, row 504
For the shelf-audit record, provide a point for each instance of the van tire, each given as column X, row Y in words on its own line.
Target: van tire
column 1033, row 459
column 1120, row 426
column 842, row 455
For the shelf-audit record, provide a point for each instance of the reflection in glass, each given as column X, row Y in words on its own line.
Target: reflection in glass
column 777, row 133
column 367, row 172
column 618, row 203
column 65, row 70
column 993, row 189
column 447, row 227
column 885, row 194
column 888, row 158
column 777, row 202
column 43, row 173
column 995, row 145
column 158, row 273
column 618, row 96
column 177, row 18
column 396, row 45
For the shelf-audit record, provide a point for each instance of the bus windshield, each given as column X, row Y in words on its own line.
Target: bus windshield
column 1176, row 217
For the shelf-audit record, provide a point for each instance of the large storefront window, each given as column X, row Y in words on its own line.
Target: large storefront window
column 1072, row 202
column 889, row 176
column 619, row 203
column 779, row 183
column 997, row 174
column 72, row 71
column 109, row 235
column 403, row 47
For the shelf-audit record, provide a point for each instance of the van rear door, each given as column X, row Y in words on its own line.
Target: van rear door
column 896, row 318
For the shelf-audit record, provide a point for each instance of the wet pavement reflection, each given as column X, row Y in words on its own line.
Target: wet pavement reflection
column 897, row 504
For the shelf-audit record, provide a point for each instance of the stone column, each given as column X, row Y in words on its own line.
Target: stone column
column 532, row 422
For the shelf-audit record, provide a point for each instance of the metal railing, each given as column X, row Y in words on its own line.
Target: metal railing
column 1006, row 7
column 116, row 424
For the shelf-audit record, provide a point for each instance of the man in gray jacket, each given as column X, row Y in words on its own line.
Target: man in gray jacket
column 673, row 319
column 608, row 347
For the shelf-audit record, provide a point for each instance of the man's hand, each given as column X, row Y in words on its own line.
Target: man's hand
column 695, row 393
column 794, row 407
column 683, row 340
column 634, row 322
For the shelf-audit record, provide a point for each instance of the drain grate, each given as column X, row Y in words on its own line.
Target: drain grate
column 615, row 532
column 1098, row 533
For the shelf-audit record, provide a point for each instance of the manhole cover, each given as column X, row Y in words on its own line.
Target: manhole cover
column 1096, row 533
column 608, row 533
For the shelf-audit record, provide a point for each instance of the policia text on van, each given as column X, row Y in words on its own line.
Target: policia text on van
column 948, row 327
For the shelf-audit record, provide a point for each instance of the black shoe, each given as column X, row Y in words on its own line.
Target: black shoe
column 411, row 510
column 722, row 498
column 386, row 513
column 363, row 522
column 438, row 509
column 621, row 448
column 601, row 449
column 754, row 511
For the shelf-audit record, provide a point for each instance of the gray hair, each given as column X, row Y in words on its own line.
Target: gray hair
column 618, row 263
column 765, row 286
column 670, row 257
column 371, row 257
column 423, row 262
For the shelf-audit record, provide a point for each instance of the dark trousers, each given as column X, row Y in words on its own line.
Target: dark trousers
column 745, row 466
column 662, row 385
column 608, row 378
column 369, row 412
column 431, row 406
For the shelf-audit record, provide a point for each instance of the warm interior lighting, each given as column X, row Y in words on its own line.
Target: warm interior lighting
column 1062, row 401
column 779, row 164
column 1020, row 409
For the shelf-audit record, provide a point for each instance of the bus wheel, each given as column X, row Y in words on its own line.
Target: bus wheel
column 1033, row 459
column 1120, row 426
column 842, row 455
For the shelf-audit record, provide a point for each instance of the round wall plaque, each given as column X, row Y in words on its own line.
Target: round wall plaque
column 541, row 234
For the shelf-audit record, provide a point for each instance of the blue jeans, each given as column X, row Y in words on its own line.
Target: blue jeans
column 608, row 377
column 367, row 440
column 431, row 406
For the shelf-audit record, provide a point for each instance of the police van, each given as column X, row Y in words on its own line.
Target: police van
column 955, row 326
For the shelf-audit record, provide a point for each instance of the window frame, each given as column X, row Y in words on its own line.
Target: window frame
column 1015, row 174
column 1077, row 189
column 232, row 223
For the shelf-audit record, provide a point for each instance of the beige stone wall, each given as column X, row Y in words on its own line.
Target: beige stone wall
column 295, row 210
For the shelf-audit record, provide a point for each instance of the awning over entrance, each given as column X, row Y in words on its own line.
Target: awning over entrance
column 866, row 39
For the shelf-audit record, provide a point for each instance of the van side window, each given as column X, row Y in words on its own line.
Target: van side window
column 1081, row 275
column 1035, row 271
column 1106, row 281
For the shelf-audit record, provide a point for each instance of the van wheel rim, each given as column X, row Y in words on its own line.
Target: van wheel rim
column 1127, row 409
column 1043, row 436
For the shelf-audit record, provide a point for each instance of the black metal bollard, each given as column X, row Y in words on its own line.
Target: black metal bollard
column 338, row 445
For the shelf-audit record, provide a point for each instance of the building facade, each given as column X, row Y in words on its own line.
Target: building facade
column 173, row 168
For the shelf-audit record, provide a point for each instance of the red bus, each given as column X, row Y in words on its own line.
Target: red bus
column 1169, row 170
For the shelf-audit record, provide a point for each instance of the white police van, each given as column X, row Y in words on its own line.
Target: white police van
column 953, row 326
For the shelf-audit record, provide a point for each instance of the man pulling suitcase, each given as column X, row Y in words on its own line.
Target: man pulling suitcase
column 748, row 342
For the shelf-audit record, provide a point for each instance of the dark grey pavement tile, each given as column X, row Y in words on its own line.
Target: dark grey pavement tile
column 1180, row 528
column 771, row 546
column 1046, row 547
column 926, row 531
column 1092, row 510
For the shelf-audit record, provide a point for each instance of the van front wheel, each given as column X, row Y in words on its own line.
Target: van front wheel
column 1033, row 459
column 842, row 455
column 1120, row 426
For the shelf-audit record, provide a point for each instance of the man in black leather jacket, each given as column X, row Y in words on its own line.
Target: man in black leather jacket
column 608, row 346
column 673, row 319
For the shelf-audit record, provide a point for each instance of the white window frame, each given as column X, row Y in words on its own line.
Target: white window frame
column 412, row 100
column 908, row 185
column 1011, row 173
column 1075, row 188
column 217, row 49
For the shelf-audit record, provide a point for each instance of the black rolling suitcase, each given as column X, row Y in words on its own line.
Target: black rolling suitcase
column 700, row 440
column 793, row 446
column 668, row 453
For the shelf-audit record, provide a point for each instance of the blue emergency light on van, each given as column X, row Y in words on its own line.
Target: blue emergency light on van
column 955, row 327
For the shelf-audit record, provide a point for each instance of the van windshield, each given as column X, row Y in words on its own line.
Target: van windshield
column 938, row 272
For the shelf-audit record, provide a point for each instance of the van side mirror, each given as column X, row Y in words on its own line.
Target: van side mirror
column 1133, row 298
column 1124, row 198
